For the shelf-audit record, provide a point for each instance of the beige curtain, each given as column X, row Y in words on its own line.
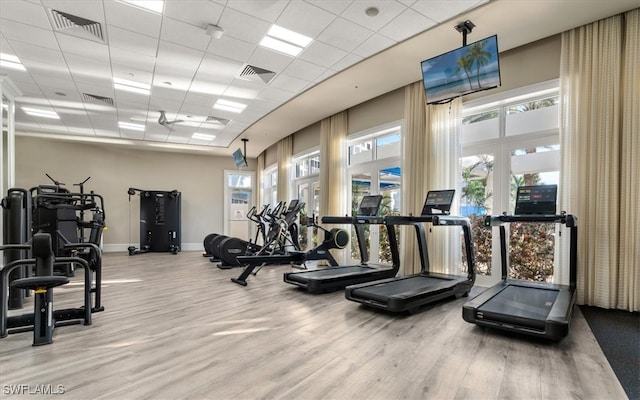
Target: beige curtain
column 429, row 162
column 414, row 172
column 285, row 151
column 600, row 93
column 443, row 160
column 259, row 182
column 333, row 195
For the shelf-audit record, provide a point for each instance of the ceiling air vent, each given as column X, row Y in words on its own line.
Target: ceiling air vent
column 217, row 120
column 257, row 74
column 92, row 98
column 77, row 26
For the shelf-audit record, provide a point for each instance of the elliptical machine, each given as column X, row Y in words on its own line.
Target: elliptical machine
column 335, row 238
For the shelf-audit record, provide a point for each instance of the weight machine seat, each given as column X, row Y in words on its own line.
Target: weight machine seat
column 40, row 282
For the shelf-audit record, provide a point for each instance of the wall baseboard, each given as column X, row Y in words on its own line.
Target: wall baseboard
column 114, row 248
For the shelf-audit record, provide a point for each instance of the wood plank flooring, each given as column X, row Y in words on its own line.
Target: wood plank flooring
column 175, row 327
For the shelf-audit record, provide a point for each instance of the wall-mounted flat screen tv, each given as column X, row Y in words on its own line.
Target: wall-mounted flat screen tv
column 462, row 71
column 240, row 160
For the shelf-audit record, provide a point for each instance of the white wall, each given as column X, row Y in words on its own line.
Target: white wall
column 113, row 169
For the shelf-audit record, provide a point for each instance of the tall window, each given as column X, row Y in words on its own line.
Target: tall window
column 508, row 142
column 270, row 185
column 374, row 168
column 307, row 184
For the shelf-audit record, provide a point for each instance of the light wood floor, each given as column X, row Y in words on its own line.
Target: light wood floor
column 175, row 327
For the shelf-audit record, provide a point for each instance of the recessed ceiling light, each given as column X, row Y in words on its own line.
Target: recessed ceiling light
column 156, row 6
column 131, row 86
column 371, row 11
column 10, row 61
column 285, row 40
column 61, row 94
column 202, row 136
column 38, row 112
column 128, row 125
column 230, row 106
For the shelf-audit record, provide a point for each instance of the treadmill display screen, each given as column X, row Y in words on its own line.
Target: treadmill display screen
column 536, row 200
column 370, row 206
column 438, row 202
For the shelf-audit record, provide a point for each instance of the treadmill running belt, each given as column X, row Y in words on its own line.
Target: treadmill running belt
column 329, row 273
column 383, row 291
column 521, row 302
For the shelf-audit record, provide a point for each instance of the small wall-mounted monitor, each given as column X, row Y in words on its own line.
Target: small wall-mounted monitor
column 462, row 71
column 239, row 158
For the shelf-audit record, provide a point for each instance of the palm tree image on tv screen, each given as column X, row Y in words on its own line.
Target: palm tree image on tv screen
column 469, row 69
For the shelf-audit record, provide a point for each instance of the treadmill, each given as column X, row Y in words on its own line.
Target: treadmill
column 334, row 278
column 408, row 293
column 538, row 309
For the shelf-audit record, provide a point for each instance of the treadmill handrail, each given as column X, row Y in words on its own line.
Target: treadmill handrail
column 568, row 219
column 356, row 219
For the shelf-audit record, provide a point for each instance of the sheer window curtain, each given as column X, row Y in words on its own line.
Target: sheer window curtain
column 285, row 151
column 260, row 182
column 333, row 163
column 429, row 162
column 600, row 92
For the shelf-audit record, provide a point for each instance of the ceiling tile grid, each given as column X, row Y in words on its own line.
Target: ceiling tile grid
column 71, row 70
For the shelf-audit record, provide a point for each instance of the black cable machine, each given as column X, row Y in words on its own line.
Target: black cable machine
column 334, row 278
column 538, row 309
column 160, row 221
column 408, row 293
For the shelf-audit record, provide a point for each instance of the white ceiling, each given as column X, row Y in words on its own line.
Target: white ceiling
column 353, row 57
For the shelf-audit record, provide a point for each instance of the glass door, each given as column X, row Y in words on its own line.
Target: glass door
column 239, row 198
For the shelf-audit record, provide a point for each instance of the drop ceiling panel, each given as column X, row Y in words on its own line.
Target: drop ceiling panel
column 305, row 18
column 304, row 70
column 335, row 7
column 133, row 135
column 133, row 42
column 184, row 34
column 387, row 11
column 205, row 87
column 132, row 18
column 441, row 11
column 231, row 48
column 322, row 54
column 373, row 45
column 81, row 67
column 289, row 83
column 12, row 30
column 23, row 12
column 243, row 91
column 242, row 26
column 276, row 94
column 178, row 61
column 194, row 12
column 37, row 53
column 128, row 60
column 406, row 25
column 199, row 103
column 86, row 48
column 268, row 10
column 347, row 61
column 344, row 34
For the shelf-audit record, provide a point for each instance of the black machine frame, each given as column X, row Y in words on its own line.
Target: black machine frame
column 160, row 221
column 537, row 309
column 335, row 278
column 410, row 292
